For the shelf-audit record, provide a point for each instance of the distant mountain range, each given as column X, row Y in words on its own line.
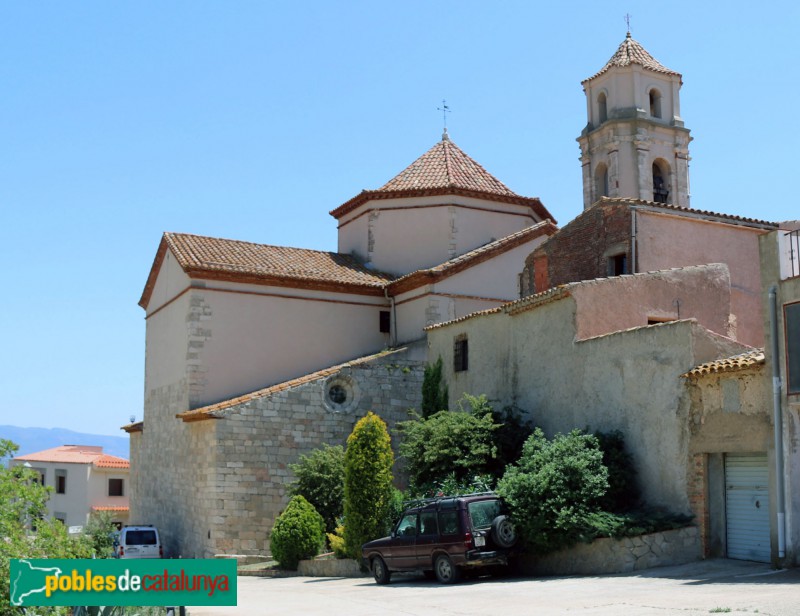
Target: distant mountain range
column 31, row 440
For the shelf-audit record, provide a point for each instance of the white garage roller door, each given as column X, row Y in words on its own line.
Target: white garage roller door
column 747, row 506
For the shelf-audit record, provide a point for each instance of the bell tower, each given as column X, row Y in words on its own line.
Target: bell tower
column 635, row 144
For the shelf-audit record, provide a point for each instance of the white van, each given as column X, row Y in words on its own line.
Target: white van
column 139, row 542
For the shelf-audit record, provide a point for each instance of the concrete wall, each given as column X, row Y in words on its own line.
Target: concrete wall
column 729, row 413
column 628, row 381
column 216, row 486
column 403, row 235
column 788, row 291
column 702, row 293
column 665, row 241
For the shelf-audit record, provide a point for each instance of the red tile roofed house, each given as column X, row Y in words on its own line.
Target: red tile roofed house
column 226, row 318
column 84, row 479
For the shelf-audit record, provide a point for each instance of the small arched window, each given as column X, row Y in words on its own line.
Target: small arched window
column 602, row 107
column 655, row 103
column 660, row 182
column 601, row 181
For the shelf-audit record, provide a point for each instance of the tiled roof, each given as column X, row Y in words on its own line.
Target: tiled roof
column 471, row 258
column 677, row 208
column 109, row 461
column 216, row 258
column 466, row 317
column 76, row 454
column 211, row 411
column 729, row 364
column 632, row 52
column 444, row 169
column 137, row 426
column 446, row 165
column 112, row 508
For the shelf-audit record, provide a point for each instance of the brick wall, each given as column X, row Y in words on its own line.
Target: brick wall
column 580, row 250
column 697, row 487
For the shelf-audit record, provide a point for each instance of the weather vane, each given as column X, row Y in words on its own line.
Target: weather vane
column 445, row 110
column 628, row 21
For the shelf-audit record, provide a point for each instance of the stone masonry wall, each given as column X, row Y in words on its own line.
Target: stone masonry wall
column 580, row 250
column 605, row 556
column 243, row 486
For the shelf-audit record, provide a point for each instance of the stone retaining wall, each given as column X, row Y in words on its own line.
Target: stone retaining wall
column 333, row 567
column 604, row 556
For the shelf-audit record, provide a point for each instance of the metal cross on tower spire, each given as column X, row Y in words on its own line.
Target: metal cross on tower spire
column 445, row 110
column 628, row 22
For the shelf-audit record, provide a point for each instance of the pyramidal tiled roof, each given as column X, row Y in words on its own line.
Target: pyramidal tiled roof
column 446, row 165
column 632, row 52
column 444, row 169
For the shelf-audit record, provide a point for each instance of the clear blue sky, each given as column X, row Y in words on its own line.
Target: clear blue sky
column 251, row 120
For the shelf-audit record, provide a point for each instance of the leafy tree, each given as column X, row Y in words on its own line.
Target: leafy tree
column 100, row 531
column 368, row 486
column 554, row 488
column 435, row 397
column 449, row 443
column 623, row 493
column 509, row 438
column 298, row 533
column 22, row 505
column 320, row 479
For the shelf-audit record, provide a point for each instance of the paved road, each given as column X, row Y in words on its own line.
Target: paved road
column 716, row 586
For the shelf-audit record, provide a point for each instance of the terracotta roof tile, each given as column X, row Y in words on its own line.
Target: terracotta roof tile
column 678, row 208
column 109, row 461
column 212, row 411
column 445, row 169
column 446, row 165
column 137, row 426
column 729, row 364
column 76, row 454
column 632, row 52
column 198, row 253
column 217, row 258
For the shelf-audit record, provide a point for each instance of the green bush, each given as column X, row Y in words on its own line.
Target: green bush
column 435, row 397
column 320, row 480
column 623, row 493
column 298, row 533
column 336, row 541
column 448, row 444
column 368, row 486
column 554, row 488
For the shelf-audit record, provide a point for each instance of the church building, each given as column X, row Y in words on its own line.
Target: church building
column 256, row 354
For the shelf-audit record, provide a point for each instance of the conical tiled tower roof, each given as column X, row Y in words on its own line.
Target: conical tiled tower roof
column 444, row 169
column 632, row 52
column 446, row 165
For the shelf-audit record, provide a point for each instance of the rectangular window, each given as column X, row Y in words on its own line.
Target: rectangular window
column 618, row 265
column 42, row 474
column 427, row 523
column 448, row 522
column 791, row 319
column 61, row 481
column 461, row 354
column 116, row 487
column 61, row 517
column 386, row 322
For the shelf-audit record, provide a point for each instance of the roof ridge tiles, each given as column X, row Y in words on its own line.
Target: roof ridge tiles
column 631, row 51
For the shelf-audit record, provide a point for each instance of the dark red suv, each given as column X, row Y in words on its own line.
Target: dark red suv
column 442, row 536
